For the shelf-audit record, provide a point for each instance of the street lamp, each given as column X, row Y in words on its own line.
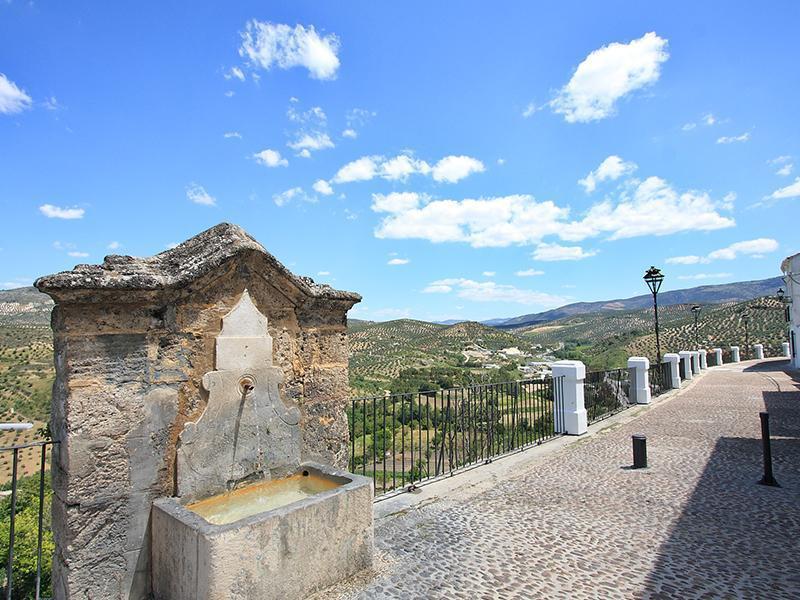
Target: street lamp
column 746, row 321
column 654, row 277
column 696, row 311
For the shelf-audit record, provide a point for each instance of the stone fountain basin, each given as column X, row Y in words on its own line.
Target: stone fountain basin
column 285, row 552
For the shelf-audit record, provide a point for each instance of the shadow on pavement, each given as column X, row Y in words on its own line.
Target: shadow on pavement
column 735, row 538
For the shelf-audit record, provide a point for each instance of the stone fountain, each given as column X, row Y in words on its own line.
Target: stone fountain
column 249, row 516
column 200, row 404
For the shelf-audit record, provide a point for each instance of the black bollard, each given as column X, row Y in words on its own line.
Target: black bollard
column 639, row 452
column 768, row 478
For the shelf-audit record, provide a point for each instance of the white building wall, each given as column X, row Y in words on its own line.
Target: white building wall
column 791, row 277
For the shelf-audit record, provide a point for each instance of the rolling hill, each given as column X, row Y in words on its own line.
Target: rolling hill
column 706, row 294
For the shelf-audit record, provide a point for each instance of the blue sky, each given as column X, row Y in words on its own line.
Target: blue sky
column 489, row 161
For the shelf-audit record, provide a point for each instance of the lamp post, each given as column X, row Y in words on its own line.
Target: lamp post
column 696, row 311
column 746, row 321
column 654, row 277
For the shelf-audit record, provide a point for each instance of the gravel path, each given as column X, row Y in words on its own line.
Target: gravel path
column 580, row 525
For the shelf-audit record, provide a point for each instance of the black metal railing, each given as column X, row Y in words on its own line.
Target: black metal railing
column 402, row 440
column 660, row 380
column 23, row 509
column 606, row 393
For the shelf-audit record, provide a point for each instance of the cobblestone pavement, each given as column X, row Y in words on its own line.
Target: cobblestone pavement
column 580, row 525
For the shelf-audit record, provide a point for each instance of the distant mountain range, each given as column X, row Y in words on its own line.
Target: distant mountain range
column 29, row 306
column 705, row 294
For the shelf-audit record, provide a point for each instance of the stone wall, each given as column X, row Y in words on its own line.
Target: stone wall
column 133, row 338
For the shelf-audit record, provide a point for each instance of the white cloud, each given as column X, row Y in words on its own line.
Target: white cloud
column 489, row 273
column 58, row 212
column 756, row 248
column 730, row 139
column 313, row 116
column 356, row 118
column 114, row 246
column 786, row 165
column 270, row 158
column 609, row 74
column 483, row 222
column 612, row 168
column 51, row 103
column 653, row 208
column 501, row 161
column 449, row 169
column 322, row 187
column 230, row 94
column 77, row 254
column 709, row 119
column 401, row 167
column 790, row 191
column 198, row 195
column 685, row 260
column 395, row 202
column 529, row 110
column 455, row 168
column 309, row 142
column 728, row 201
column 701, row 276
column 267, row 44
column 398, row 261
column 232, row 134
column 688, row 126
column 529, row 273
column 235, row 72
column 323, row 273
column 489, row 291
column 12, row 98
column 556, row 252
column 304, row 153
column 362, row 169
column 295, row 193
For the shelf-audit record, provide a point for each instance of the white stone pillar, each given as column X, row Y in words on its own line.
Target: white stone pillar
column 717, row 356
column 735, row 354
column 703, row 359
column 568, row 376
column 786, row 352
column 640, row 379
column 758, row 350
column 695, row 362
column 686, row 361
column 674, row 372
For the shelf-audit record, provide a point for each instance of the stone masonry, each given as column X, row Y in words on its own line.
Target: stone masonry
column 133, row 338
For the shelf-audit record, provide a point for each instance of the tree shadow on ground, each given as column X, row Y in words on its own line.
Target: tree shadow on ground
column 735, row 538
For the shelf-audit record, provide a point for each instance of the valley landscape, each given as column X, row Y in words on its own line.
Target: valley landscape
column 408, row 355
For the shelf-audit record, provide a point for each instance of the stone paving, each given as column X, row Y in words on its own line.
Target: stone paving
column 580, row 525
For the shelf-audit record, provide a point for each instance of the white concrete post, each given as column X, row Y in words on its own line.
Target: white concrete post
column 758, row 350
column 703, row 359
column 640, row 380
column 786, row 352
column 717, row 356
column 695, row 362
column 674, row 373
column 571, row 396
column 735, row 354
column 686, row 359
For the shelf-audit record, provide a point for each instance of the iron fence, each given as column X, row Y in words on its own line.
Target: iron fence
column 659, row 379
column 25, row 502
column 606, row 393
column 402, row 440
